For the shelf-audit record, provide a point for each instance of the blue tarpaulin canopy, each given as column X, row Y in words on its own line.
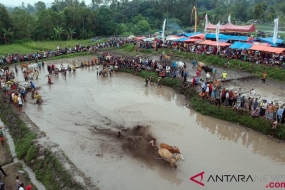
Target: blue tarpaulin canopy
column 227, row 37
column 240, row 45
column 213, row 36
column 270, row 40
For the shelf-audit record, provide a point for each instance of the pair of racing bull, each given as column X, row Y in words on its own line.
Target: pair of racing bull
column 169, row 153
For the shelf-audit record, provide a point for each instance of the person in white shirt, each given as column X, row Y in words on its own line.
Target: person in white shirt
column 208, row 76
column 207, row 91
column 12, row 96
column 252, row 93
column 21, row 186
column 20, row 102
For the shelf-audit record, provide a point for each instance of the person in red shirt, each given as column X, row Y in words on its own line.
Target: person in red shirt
column 210, row 88
column 49, row 79
column 14, row 87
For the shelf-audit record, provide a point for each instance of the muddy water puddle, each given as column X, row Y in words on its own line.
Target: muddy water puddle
column 74, row 107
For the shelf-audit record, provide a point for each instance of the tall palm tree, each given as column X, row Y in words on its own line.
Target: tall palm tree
column 7, row 33
column 70, row 33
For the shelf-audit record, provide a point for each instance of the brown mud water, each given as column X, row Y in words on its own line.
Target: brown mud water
column 82, row 114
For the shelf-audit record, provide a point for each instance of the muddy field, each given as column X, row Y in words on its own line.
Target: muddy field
column 82, row 114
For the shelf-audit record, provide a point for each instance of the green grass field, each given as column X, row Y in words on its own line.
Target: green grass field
column 29, row 47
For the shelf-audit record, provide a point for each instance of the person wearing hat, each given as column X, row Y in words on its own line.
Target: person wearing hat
column 264, row 76
column 159, row 82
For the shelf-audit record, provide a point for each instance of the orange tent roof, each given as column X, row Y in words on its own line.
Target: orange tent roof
column 232, row 28
column 267, row 49
column 198, row 36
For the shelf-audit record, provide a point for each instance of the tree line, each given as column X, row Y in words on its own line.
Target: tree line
column 73, row 19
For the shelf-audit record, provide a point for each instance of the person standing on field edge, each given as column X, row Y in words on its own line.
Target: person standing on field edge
column 146, row 82
column 224, row 75
column 264, row 76
column 159, row 82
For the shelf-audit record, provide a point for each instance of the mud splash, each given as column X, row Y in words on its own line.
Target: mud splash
column 134, row 141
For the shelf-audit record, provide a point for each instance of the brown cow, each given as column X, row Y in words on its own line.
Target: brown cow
column 25, row 65
column 166, row 57
column 169, row 157
column 172, row 149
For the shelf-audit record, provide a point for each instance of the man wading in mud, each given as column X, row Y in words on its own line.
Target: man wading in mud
column 159, row 82
column 146, row 82
column 264, row 76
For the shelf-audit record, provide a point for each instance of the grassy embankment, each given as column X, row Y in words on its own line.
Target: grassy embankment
column 44, row 163
column 275, row 73
column 30, row 47
column 206, row 108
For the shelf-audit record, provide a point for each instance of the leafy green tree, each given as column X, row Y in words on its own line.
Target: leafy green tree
column 258, row 11
column 105, row 21
column 24, row 23
column 8, row 35
column 40, row 6
column 5, row 22
column 142, row 27
column 30, row 8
